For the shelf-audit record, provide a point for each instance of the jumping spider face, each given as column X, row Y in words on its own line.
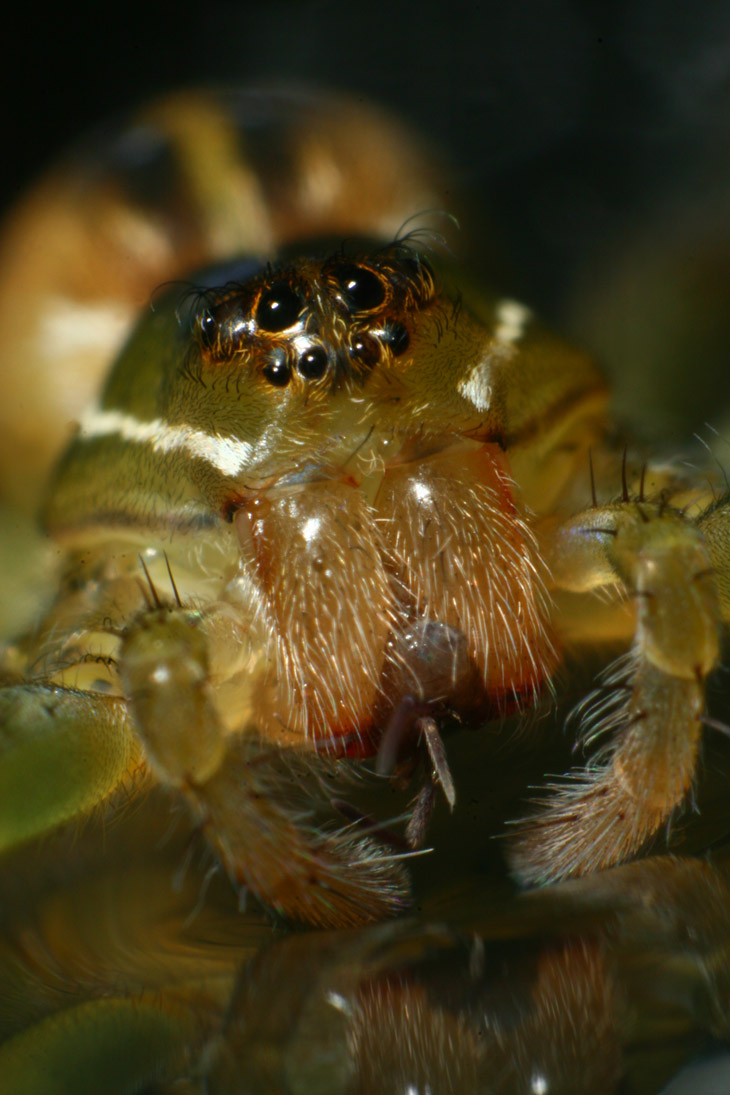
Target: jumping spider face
column 325, row 506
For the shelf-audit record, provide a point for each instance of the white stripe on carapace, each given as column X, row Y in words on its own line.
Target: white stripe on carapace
column 476, row 387
column 512, row 318
column 226, row 454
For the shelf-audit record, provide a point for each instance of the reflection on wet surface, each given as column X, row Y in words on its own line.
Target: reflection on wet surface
column 620, row 982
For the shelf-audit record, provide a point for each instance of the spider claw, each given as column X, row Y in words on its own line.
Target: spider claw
column 421, row 816
column 441, row 773
column 396, row 732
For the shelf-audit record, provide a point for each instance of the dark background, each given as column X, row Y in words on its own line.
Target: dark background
column 594, row 135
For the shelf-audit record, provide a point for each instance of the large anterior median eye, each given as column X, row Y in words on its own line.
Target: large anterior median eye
column 361, row 289
column 278, row 308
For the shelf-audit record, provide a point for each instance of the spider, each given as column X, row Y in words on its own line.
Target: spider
column 329, row 501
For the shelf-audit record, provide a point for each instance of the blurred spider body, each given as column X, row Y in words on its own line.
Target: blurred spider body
column 329, row 499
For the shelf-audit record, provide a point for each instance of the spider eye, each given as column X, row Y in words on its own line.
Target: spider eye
column 365, row 350
column 313, row 363
column 221, row 328
column 361, row 289
column 207, row 330
column 277, row 369
column 397, row 337
column 278, row 308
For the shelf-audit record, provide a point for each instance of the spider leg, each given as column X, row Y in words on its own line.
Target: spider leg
column 605, row 812
column 62, row 752
column 238, row 788
column 408, row 722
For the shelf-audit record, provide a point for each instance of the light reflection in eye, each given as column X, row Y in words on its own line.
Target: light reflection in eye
column 538, row 1084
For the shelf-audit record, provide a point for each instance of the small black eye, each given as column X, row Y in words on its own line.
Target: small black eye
column 365, row 350
column 222, row 327
column 313, row 363
column 207, row 330
column 278, row 370
column 397, row 337
column 362, row 290
column 278, row 308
